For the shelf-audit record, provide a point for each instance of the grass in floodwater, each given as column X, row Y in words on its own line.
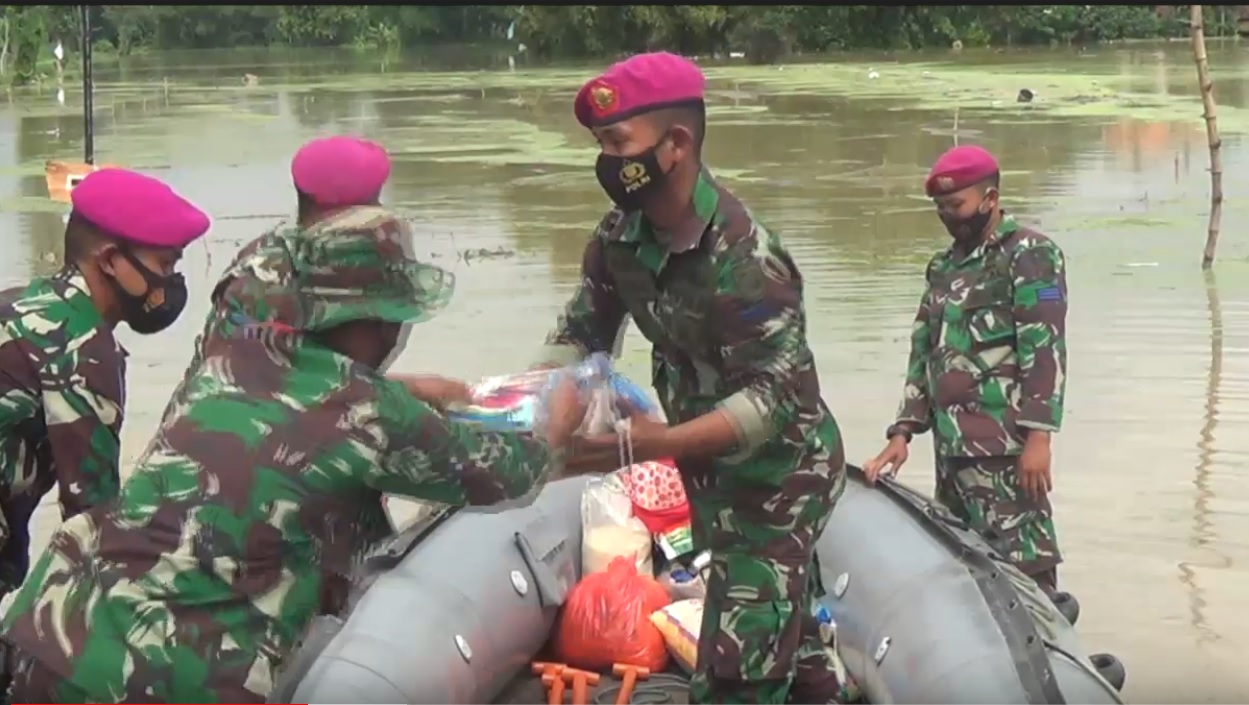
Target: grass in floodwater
column 944, row 86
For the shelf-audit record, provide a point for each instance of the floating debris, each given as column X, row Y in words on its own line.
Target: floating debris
column 484, row 253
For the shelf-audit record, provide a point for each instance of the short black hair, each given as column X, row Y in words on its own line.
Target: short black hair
column 304, row 204
column 993, row 180
column 692, row 117
column 81, row 238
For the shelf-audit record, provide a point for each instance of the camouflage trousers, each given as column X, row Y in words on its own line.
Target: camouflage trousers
column 759, row 641
column 31, row 682
column 985, row 493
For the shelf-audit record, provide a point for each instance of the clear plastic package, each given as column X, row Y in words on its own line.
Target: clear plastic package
column 517, row 402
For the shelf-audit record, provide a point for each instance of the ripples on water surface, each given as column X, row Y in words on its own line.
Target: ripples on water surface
column 1151, row 493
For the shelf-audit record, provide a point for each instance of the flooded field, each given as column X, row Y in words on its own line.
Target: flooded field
column 1110, row 159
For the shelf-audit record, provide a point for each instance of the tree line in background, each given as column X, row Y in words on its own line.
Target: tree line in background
column 762, row 32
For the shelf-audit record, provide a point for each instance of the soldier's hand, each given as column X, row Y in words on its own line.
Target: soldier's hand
column 1034, row 466
column 565, row 412
column 888, row 461
column 438, row 392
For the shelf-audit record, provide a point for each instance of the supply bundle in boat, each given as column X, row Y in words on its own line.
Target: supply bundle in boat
column 458, row 608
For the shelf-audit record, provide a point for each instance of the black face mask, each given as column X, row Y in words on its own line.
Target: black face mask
column 966, row 230
column 628, row 181
column 141, row 317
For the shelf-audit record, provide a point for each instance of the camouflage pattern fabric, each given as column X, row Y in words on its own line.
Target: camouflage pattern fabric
column 334, row 263
column 987, row 363
column 31, row 682
column 61, row 400
column 199, row 580
column 988, row 347
column 984, row 492
column 721, row 303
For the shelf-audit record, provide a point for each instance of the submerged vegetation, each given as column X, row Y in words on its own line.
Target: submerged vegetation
column 761, row 32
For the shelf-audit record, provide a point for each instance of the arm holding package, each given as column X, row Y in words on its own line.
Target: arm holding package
column 593, row 320
column 431, row 457
column 759, row 318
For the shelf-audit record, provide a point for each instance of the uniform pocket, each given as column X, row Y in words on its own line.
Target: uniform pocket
column 758, row 628
column 755, row 640
column 991, row 323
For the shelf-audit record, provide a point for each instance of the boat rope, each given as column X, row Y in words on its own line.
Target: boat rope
column 659, row 689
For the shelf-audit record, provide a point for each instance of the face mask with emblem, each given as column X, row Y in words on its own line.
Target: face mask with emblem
column 158, row 306
column 628, row 181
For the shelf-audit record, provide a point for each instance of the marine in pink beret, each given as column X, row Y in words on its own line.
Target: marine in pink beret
column 125, row 235
column 63, row 368
column 964, row 184
column 648, row 115
column 717, row 294
column 338, row 172
column 987, row 366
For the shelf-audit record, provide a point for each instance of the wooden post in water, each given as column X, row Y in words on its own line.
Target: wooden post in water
column 88, row 89
column 1196, row 30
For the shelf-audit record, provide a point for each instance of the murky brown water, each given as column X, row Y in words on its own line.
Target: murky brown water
column 1152, row 497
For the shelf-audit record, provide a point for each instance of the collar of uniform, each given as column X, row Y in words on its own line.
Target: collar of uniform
column 655, row 246
column 1005, row 227
column 71, row 285
column 636, row 228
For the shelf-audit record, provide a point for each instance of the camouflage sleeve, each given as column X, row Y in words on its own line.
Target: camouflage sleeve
column 430, row 457
column 82, row 405
column 916, row 406
column 593, row 320
column 1040, row 303
column 759, row 321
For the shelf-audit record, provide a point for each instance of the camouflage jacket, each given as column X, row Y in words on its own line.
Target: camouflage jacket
column 197, row 583
column 721, row 303
column 988, row 347
column 61, row 400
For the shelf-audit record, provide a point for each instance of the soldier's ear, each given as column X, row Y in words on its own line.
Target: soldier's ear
column 682, row 141
column 107, row 256
column 991, row 197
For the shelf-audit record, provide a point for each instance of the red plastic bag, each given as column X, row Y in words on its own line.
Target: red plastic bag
column 606, row 620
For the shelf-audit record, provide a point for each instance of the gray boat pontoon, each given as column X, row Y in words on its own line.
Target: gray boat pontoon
column 456, row 607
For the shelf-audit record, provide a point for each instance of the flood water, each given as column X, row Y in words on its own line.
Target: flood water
column 1152, row 495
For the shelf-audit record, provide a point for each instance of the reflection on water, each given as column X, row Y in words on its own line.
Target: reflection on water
column 491, row 160
column 1203, row 534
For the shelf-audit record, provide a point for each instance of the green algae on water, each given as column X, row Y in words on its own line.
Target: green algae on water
column 976, row 88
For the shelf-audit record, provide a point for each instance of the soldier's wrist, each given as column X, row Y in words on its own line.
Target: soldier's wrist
column 1038, row 437
column 901, row 430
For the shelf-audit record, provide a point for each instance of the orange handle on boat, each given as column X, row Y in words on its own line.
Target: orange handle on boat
column 581, row 680
column 542, row 668
column 629, row 675
column 555, row 688
column 550, row 673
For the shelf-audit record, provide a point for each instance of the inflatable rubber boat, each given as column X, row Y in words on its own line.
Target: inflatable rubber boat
column 456, row 607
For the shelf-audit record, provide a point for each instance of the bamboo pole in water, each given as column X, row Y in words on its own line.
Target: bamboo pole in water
column 1196, row 30
column 88, row 89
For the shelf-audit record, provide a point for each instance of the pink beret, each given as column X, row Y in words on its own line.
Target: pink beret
column 341, row 171
column 137, row 208
column 959, row 168
column 637, row 85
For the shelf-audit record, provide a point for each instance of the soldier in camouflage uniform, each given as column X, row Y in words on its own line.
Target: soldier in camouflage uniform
column 263, row 478
column 720, row 299
column 987, row 366
column 329, row 174
column 63, row 388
